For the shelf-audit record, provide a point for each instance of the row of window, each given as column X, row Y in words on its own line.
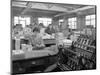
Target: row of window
column 90, row 20
column 45, row 21
column 22, row 20
column 27, row 21
column 72, row 22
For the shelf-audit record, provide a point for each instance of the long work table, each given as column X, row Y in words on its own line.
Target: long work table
column 26, row 59
column 21, row 54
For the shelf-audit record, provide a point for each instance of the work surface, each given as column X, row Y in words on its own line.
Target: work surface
column 20, row 54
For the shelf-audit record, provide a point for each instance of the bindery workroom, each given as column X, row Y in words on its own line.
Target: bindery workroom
column 52, row 37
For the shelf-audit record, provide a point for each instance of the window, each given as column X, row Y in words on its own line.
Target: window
column 21, row 20
column 90, row 20
column 45, row 21
column 72, row 23
column 61, row 21
column 15, row 20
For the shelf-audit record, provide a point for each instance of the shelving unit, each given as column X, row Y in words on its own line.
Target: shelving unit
column 64, row 67
column 75, row 54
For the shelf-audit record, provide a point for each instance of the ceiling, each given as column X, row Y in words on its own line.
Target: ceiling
column 45, row 9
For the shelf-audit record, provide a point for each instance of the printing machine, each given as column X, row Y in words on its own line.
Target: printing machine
column 81, row 55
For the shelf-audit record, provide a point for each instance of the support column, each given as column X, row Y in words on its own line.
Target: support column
column 80, row 22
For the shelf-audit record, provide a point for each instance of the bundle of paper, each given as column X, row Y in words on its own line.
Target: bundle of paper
column 26, row 47
column 53, row 49
column 46, row 36
column 67, row 43
column 36, row 53
column 14, row 52
column 18, row 54
column 42, row 52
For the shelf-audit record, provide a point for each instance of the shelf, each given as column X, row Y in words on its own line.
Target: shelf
column 75, row 60
column 64, row 67
column 86, row 45
column 85, row 50
column 71, row 51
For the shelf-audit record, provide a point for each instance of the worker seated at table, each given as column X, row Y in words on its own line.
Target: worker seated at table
column 37, row 40
column 16, row 30
column 50, row 29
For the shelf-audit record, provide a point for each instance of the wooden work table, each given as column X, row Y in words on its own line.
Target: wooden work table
column 26, row 59
column 20, row 54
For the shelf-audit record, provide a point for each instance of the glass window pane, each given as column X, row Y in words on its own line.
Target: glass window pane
column 15, row 18
column 23, row 23
column 23, row 18
column 61, row 20
column 72, row 19
column 93, row 25
column 45, row 21
column 70, row 23
column 49, row 22
column 15, row 22
column 88, row 17
column 70, row 26
column 75, row 19
column 92, row 16
column 69, row 20
column 92, row 22
column 73, row 23
column 27, row 20
column 40, row 21
column 73, row 27
column 20, row 18
column 87, row 22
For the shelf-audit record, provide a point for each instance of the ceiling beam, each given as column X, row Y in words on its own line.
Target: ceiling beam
column 83, row 8
column 49, row 7
column 29, row 5
column 76, row 10
column 43, row 6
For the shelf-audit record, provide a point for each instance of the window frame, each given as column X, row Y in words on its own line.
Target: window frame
column 72, row 22
column 61, row 21
column 19, row 20
column 90, row 20
column 45, row 21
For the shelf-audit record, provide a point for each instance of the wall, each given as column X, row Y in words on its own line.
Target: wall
column 12, row 17
column 34, row 20
column 80, row 18
column 80, row 22
column 55, row 21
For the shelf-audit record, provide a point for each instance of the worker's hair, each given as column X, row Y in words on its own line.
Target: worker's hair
column 36, row 29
